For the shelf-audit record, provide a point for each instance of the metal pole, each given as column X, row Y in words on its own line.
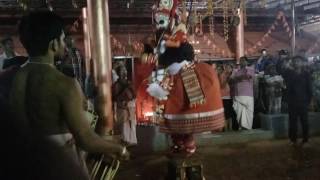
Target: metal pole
column 101, row 54
column 293, row 39
column 240, row 35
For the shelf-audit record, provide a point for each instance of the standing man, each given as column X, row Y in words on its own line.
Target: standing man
column 273, row 89
column 72, row 63
column 263, row 61
column 298, row 81
column 316, row 82
column 123, row 96
column 48, row 107
column 243, row 102
column 8, row 50
column 283, row 64
column 230, row 115
column 283, row 58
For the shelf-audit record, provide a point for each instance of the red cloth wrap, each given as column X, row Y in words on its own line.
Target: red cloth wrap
column 179, row 117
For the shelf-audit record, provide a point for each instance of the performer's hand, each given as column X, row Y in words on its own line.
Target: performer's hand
column 162, row 47
column 196, row 60
column 124, row 154
column 121, row 154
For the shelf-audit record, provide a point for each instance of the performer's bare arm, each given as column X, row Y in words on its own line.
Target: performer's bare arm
column 75, row 116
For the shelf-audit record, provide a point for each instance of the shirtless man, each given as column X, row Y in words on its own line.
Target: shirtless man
column 48, row 106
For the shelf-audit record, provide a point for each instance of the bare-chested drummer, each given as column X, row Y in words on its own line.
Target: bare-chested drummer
column 49, row 105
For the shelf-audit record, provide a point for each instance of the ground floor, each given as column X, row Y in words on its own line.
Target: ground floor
column 248, row 160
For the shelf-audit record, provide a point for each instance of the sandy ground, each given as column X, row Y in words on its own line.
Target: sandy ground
column 274, row 160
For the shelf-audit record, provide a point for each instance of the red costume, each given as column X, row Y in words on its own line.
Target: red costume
column 193, row 95
column 180, row 118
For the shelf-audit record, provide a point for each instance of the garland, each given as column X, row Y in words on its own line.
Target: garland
column 210, row 8
column 211, row 18
column 118, row 48
column 225, row 20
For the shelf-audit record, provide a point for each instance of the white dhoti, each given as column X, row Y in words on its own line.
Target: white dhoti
column 56, row 156
column 75, row 155
column 244, row 107
column 129, row 125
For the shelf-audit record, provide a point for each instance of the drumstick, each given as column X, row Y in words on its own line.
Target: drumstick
column 98, row 167
column 109, row 172
column 113, row 173
column 104, row 173
column 93, row 169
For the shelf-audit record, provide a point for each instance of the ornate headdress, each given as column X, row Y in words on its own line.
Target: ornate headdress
column 164, row 12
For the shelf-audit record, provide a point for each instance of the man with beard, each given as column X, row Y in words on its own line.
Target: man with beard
column 48, row 108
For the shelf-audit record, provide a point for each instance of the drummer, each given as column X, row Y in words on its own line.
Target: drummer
column 48, row 107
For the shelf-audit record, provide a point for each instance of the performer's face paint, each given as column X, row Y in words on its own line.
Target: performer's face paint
column 162, row 14
column 162, row 20
column 166, row 4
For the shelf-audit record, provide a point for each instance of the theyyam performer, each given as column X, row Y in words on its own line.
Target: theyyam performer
column 189, row 91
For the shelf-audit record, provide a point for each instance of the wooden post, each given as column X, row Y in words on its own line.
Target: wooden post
column 98, row 12
column 240, row 35
column 86, row 39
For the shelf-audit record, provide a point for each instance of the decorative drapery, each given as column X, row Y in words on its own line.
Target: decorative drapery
column 280, row 20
